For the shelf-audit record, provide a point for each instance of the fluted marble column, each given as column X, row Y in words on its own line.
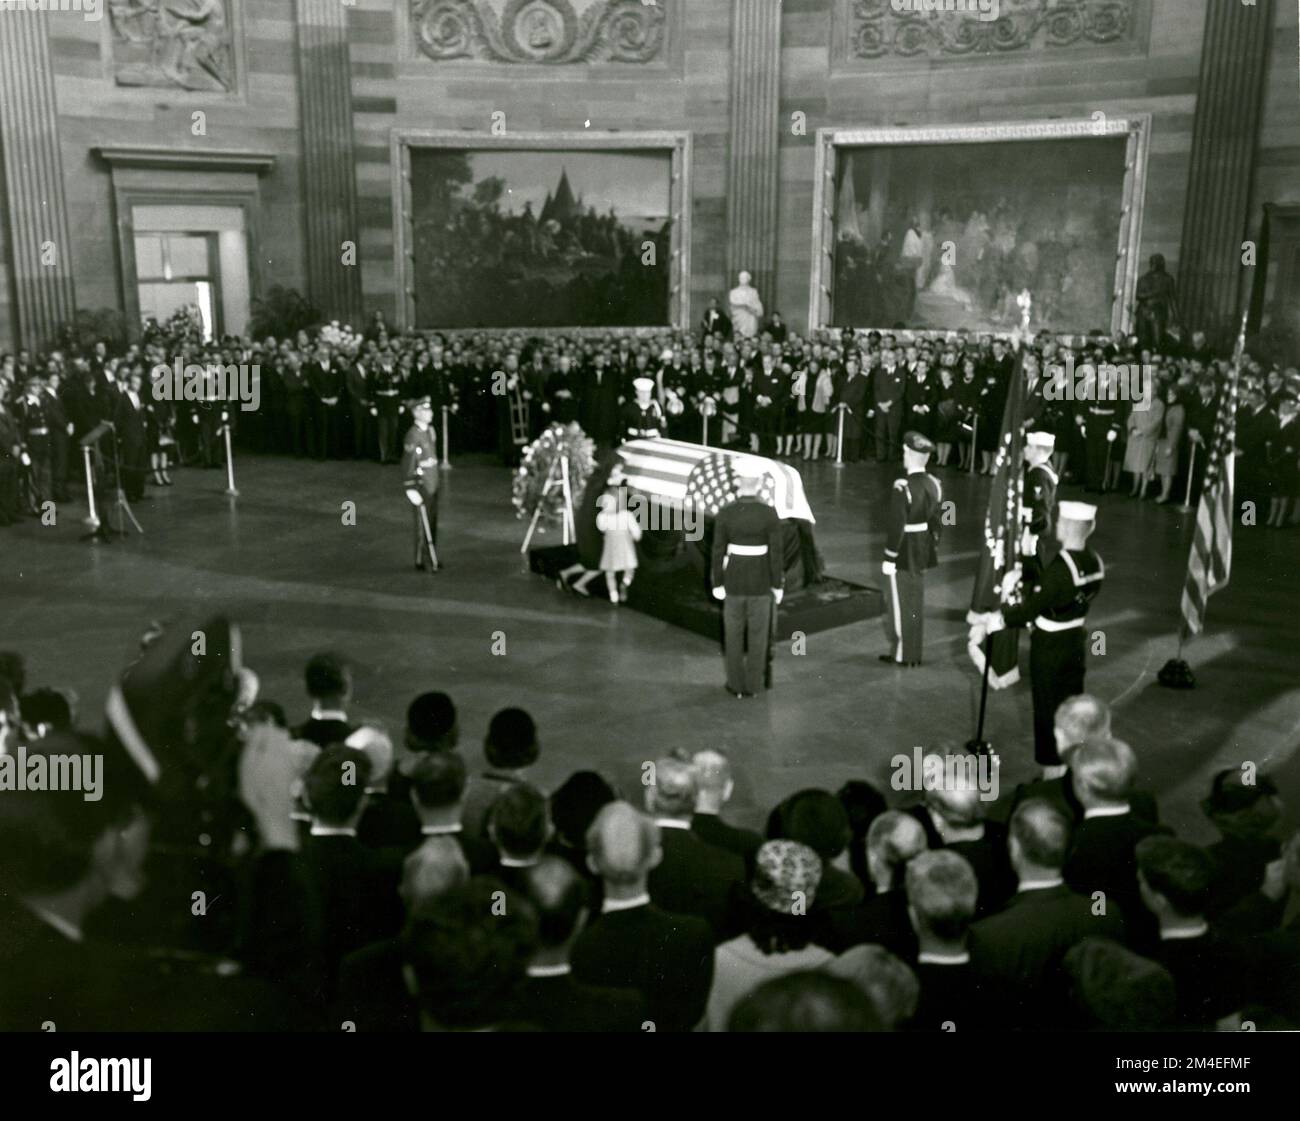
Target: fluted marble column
column 1225, row 134
column 39, row 240
column 753, row 170
column 329, row 185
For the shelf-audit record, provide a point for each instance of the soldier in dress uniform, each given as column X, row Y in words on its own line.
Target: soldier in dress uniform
column 1057, row 605
column 1037, row 544
column 911, row 546
column 748, row 574
column 642, row 417
column 34, row 425
column 386, row 387
column 420, row 470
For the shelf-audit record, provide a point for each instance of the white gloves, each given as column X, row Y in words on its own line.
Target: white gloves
column 719, row 593
column 778, row 594
column 889, row 568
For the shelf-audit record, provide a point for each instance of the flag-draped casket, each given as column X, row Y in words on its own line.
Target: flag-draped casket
column 676, row 490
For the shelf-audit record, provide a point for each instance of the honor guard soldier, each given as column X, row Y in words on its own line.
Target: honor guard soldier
column 420, row 472
column 643, row 418
column 35, row 428
column 748, row 574
column 1038, row 510
column 1057, row 606
column 911, row 546
column 386, row 383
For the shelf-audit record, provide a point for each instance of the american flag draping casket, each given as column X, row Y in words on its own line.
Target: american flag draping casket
column 682, row 474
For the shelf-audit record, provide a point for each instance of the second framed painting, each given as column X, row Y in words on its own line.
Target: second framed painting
column 940, row 228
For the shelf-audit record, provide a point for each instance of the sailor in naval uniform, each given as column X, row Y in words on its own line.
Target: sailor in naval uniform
column 1057, row 606
column 420, row 472
column 643, row 418
column 911, row 546
column 1038, row 511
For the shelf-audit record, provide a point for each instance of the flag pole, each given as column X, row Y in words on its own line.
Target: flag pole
column 1176, row 673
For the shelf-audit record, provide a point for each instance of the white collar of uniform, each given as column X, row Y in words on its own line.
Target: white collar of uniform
column 916, row 471
column 440, row 830
column 925, row 957
column 671, row 823
column 1040, row 885
column 1177, row 933
column 515, row 862
column 1106, row 811
column 1046, row 470
column 68, row 929
column 318, row 830
column 563, row 969
column 318, row 713
column 625, row 904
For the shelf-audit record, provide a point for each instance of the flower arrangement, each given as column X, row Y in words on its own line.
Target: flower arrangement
column 529, row 486
column 341, row 338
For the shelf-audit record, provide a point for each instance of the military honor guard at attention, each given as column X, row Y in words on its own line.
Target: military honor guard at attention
column 420, row 472
column 911, row 547
column 1038, row 511
column 643, row 418
column 748, row 576
column 1056, row 604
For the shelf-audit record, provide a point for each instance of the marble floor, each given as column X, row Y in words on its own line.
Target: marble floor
column 611, row 688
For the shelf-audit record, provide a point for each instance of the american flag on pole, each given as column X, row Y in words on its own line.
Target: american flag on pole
column 1210, row 562
column 679, row 473
column 1002, row 525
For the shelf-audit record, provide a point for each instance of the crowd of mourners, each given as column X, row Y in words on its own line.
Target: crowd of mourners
column 429, row 880
column 331, row 392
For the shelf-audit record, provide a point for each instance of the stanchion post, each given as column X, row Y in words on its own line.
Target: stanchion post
column 1191, row 473
column 446, row 459
column 92, row 519
column 841, row 408
column 230, row 463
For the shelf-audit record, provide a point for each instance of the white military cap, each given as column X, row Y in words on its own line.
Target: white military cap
column 1077, row 511
column 1041, row 440
column 643, row 384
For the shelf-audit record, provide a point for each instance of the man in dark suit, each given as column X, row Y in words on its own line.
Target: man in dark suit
column 437, row 785
column 372, row 993
column 634, row 944
column 1022, row 946
column 1102, row 854
column 1212, row 973
column 549, row 996
column 954, row 817
column 956, row 989
column 888, row 386
column 694, row 877
column 893, row 839
column 600, row 408
column 325, row 393
column 132, row 436
column 713, row 786
column 329, row 685
column 354, row 889
column 715, row 320
column 518, row 824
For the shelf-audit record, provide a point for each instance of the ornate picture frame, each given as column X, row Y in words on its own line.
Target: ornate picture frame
column 1135, row 126
column 677, row 144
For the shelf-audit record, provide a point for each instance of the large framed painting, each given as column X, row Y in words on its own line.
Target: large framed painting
column 542, row 230
column 936, row 229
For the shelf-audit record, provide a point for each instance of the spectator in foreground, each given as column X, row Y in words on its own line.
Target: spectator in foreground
column 805, row 1002
column 781, row 928
column 1113, row 989
column 328, row 679
column 635, row 944
column 941, row 894
column 550, row 997
column 511, row 749
column 887, row 981
column 467, row 955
